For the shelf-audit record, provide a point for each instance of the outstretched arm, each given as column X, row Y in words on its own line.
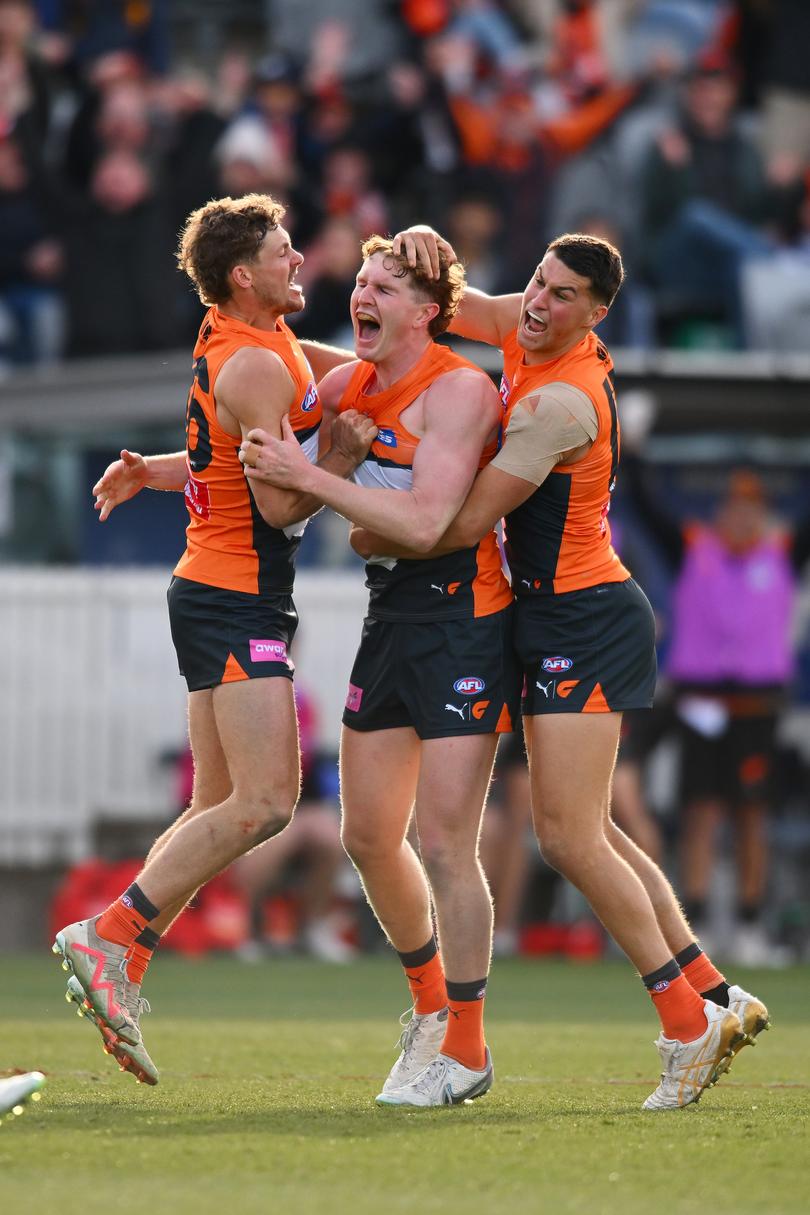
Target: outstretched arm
column 125, row 478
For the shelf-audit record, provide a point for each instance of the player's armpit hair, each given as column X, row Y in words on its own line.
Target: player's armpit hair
column 542, row 428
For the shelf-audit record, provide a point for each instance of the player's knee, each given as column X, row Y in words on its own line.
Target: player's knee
column 441, row 859
column 262, row 817
column 362, row 846
column 557, row 848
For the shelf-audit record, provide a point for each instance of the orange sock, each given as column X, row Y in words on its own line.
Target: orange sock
column 702, row 974
column 126, row 918
column 680, row 1008
column 464, row 1036
column 425, row 974
column 428, row 988
column 137, row 962
column 141, row 955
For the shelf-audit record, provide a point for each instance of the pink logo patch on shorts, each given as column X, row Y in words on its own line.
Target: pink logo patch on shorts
column 354, row 697
column 269, row 651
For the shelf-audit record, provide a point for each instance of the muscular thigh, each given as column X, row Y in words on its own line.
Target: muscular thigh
column 258, row 733
column 572, row 758
column 453, row 783
column 379, row 771
column 212, row 781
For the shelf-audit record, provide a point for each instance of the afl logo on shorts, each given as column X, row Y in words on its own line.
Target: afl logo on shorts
column 310, row 400
column 470, row 685
column 386, row 435
column 556, row 665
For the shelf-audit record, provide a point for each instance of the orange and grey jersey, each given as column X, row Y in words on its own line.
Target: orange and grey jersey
column 558, row 540
column 228, row 543
column 457, row 586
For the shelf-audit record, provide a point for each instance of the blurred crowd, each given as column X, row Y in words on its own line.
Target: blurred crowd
column 679, row 128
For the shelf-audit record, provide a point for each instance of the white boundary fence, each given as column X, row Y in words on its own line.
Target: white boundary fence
column 90, row 696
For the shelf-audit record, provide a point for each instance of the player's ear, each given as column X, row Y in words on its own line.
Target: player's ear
column 241, row 276
column 426, row 314
column 599, row 313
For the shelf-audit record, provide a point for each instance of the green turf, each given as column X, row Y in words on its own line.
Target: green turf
column 266, row 1101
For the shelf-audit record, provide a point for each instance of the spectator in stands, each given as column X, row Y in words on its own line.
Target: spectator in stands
column 25, row 102
column 474, row 228
column 275, row 107
column 98, row 27
column 730, row 662
column 352, row 41
column 786, row 108
column 112, row 111
column 704, row 197
column 247, row 161
column 776, row 290
column 348, row 189
column 31, row 260
column 632, row 322
column 328, row 275
column 120, row 281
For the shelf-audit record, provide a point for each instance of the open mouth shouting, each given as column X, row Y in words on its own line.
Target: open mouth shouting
column 367, row 326
column 533, row 323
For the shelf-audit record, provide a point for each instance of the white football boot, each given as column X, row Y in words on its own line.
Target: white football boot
column 105, row 995
column 691, row 1067
column 419, row 1043
column 753, row 1014
column 16, row 1091
column 444, row 1081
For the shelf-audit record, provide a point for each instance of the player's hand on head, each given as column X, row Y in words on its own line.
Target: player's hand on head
column 122, row 480
column 280, row 462
column 420, row 244
column 352, row 434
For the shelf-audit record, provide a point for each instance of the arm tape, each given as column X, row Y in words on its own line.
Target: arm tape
column 544, row 427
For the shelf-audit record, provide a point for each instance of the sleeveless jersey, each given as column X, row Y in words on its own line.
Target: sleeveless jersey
column 228, row 543
column 558, row 540
column 457, row 586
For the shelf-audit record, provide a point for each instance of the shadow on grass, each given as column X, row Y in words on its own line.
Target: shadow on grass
column 356, row 1121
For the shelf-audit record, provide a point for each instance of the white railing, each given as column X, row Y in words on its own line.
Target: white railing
column 90, row 696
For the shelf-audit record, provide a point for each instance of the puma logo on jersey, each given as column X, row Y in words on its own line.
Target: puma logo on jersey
column 544, row 688
column 452, row 587
column 460, row 710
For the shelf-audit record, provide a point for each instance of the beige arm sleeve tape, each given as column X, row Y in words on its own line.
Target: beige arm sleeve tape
column 543, row 427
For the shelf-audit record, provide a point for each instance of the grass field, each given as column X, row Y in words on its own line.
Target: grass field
column 266, row 1101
